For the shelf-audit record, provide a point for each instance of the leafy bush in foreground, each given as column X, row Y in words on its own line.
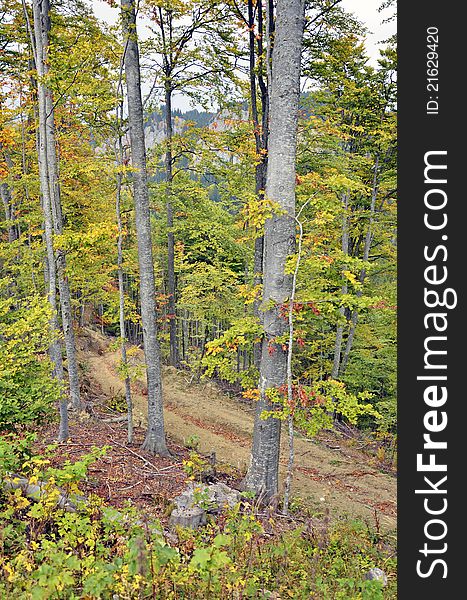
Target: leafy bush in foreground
column 101, row 553
column 27, row 390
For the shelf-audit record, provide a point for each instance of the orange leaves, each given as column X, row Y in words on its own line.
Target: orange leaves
column 212, row 350
column 251, row 394
column 7, row 139
column 327, row 259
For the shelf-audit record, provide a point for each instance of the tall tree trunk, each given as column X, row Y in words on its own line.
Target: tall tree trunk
column 121, row 287
column 55, row 350
column 340, row 327
column 155, row 436
column 290, row 417
column 279, row 240
column 365, row 257
column 261, row 132
column 41, row 11
column 170, row 235
column 8, row 204
column 5, row 192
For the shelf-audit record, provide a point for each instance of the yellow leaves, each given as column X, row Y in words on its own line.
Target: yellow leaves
column 36, row 462
column 350, row 276
column 11, row 575
column 3, row 170
column 178, row 7
column 249, row 293
column 324, row 217
column 212, row 350
column 6, row 137
column 256, row 212
column 18, row 501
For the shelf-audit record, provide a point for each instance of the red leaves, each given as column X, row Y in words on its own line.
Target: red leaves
column 297, row 308
column 382, row 304
column 314, row 308
column 301, row 397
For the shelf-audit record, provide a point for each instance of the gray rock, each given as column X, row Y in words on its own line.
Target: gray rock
column 223, row 496
column 199, row 499
column 377, row 574
column 213, row 497
column 188, row 517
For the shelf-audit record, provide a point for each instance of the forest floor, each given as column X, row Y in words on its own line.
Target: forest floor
column 331, row 472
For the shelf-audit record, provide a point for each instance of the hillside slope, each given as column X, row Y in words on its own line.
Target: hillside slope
column 329, row 472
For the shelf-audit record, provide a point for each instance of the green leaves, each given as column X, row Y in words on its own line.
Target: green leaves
column 27, row 389
column 221, row 353
column 208, row 561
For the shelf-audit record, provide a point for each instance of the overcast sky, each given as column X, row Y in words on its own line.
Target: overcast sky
column 365, row 10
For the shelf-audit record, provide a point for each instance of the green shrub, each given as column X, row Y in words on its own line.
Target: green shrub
column 27, row 390
column 99, row 552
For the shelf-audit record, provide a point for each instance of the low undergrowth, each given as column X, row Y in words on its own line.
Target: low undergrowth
column 98, row 552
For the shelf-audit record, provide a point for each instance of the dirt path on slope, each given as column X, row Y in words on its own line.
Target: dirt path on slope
column 328, row 473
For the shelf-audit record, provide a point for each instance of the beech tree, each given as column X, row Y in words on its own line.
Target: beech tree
column 279, row 240
column 155, row 436
column 192, row 41
column 53, row 217
column 209, row 197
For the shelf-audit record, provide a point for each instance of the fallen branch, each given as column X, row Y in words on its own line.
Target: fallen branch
column 145, row 460
column 129, row 487
column 120, row 419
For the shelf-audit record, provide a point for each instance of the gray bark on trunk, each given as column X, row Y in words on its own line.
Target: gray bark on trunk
column 155, row 436
column 121, row 289
column 173, row 359
column 366, row 255
column 55, row 350
column 8, row 203
column 279, row 241
column 344, row 289
column 9, row 211
column 41, row 10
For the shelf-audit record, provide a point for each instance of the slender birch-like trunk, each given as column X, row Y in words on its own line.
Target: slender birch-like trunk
column 279, row 241
column 362, row 275
column 41, row 9
column 121, row 287
column 5, row 193
column 167, row 57
column 290, row 417
column 340, row 327
column 173, row 359
column 8, row 203
column 55, row 350
column 261, row 133
column 155, row 436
